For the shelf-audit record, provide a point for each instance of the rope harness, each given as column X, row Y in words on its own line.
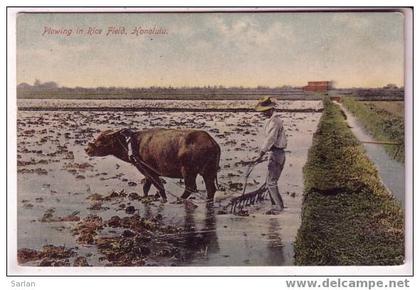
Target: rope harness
column 133, row 156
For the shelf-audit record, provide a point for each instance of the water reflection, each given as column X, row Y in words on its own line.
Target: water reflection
column 275, row 245
column 209, row 230
column 199, row 241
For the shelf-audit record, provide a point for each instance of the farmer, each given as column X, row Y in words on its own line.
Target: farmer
column 274, row 144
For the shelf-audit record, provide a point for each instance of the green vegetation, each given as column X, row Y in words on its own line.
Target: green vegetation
column 348, row 217
column 384, row 124
column 394, row 107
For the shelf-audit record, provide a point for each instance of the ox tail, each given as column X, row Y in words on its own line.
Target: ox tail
column 217, row 160
column 218, row 165
column 213, row 164
column 216, row 171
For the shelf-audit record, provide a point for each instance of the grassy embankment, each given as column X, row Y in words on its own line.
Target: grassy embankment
column 385, row 122
column 348, row 217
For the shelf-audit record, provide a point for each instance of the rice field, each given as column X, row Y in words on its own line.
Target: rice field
column 74, row 210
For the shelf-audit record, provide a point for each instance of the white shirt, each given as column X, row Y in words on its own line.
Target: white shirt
column 275, row 134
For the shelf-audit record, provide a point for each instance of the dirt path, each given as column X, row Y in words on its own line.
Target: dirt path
column 391, row 172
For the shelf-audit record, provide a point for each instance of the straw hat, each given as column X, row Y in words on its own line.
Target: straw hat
column 264, row 104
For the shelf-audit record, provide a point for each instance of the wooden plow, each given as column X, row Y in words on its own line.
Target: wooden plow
column 247, row 199
column 250, row 198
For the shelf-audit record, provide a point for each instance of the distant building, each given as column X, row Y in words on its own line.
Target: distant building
column 318, row 86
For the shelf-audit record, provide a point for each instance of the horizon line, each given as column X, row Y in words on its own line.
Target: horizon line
column 215, row 86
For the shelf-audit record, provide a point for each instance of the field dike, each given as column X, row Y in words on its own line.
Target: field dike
column 348, row 216
column 382, row 125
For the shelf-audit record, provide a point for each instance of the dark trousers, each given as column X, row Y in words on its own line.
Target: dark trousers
column 276, row 160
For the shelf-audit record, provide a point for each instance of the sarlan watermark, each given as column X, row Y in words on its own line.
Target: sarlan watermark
column 22, row 284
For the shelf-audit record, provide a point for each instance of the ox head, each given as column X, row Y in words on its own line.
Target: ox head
column 103, row 145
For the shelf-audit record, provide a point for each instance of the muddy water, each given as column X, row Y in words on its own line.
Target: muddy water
column 55, row 175
column 214, row 104
column 390, row 171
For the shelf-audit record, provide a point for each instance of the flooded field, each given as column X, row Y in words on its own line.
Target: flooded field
column 199, row 104
column 77, row 210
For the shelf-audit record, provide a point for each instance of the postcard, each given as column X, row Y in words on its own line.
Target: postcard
column 209, row 141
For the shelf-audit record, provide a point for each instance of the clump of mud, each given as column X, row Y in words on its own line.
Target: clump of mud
column 80, row 262
column 87, row 229
column 99, row 197
column 49, row 217
column 49, row 255
column 139, row 239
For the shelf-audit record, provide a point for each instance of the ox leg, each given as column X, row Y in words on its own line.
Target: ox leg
column 159, row 186
column 209, row 180
column 146, row 187
column 155, row 180
column 190, row 185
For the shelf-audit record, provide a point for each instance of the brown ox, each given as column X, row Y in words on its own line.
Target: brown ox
column 169, row 153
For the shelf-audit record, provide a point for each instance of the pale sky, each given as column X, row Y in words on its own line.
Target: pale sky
column 230, row 49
